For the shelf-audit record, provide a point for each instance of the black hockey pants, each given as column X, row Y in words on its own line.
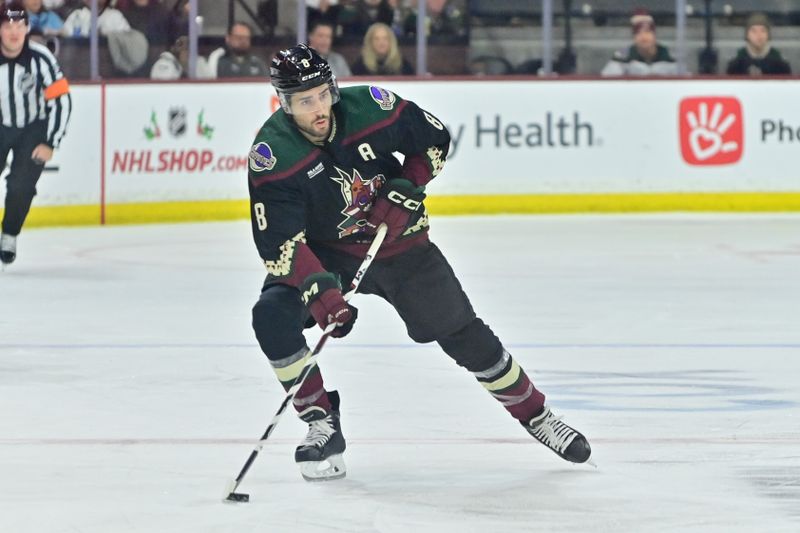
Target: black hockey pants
column 418, row 283
column 21, row 181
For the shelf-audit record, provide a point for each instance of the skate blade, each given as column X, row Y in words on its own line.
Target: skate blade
column 330, row 469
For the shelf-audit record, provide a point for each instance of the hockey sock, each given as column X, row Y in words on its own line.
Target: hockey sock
column 313, row 390
column 509, row 384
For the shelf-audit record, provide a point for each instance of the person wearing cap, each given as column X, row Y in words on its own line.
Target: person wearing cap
column 35, row 106
column 645, row 57
column 757, row 57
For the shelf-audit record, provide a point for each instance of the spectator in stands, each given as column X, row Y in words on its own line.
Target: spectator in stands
column 322, row 10
column 109, row 20
column 173, row 64
column 178, row 24
column 320, row 38
column 645, row 57
column 62, row 7
column 149, row 17
column 235, row 60
column 380, row 55
column 757, row 57
column 445, row 18
column 54, row 5
column 43, row 20
column 358, row 16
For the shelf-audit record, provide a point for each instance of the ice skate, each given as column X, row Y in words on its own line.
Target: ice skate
column 568, row 443
column 8, row 248
column 320, row 453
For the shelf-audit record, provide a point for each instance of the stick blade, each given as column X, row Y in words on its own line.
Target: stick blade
column 235, row 497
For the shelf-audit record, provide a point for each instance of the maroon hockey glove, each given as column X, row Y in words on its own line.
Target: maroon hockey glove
column 397, row 201
column 322, row 294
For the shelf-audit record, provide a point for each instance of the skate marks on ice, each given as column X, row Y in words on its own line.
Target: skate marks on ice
column 676, row 358
column 683, row 390
column 423, row 489
column 780, row 481
column 419, row 485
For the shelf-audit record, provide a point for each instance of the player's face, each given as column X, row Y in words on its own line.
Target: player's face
column 12, row 37
column 311, row 111
column 758, row 36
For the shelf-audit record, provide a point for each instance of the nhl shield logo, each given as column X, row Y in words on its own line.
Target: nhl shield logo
column 177, row 121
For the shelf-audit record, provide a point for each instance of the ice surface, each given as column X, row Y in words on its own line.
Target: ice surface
column 131, row 387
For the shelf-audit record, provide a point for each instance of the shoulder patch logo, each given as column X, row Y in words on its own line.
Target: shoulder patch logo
column 261, row 157
column 385, row 99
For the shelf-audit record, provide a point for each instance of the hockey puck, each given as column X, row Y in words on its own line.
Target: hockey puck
column 238, row 497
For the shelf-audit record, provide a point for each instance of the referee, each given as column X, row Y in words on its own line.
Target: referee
column 34, row 110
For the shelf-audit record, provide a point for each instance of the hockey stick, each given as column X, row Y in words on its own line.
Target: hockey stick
column 230, row 491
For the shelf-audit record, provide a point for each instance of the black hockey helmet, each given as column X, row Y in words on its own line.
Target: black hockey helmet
column 13, row 10
column 298, row 69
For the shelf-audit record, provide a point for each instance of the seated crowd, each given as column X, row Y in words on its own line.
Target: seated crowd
column 646, row 57
column 135, row 27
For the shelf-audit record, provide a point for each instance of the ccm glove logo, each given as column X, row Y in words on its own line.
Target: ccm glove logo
column 310, row 293
column 399, row 199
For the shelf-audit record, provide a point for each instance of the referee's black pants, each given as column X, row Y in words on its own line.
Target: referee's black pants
column 21, row 182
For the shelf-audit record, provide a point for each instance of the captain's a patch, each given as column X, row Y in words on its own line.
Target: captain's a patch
column 385, row 99
column 261, row 157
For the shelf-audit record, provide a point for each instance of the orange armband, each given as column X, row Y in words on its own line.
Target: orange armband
column 56, row 89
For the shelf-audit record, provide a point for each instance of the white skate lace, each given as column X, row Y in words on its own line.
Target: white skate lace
column 319, row 432
column 554, row 434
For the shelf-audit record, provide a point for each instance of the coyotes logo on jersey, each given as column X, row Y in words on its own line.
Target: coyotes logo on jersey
column 358, row 195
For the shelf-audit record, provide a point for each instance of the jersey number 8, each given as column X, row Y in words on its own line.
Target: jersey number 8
column 434, row 121
column 261, row 215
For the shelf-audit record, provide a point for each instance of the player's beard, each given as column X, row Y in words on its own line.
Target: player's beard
column 313, row 133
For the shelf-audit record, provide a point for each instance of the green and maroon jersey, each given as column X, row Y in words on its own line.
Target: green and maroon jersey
column 304, row 195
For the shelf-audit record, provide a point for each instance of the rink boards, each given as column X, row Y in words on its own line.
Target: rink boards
column 166, row 152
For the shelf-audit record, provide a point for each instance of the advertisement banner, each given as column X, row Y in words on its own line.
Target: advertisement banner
column 171, row 142
column 190, row 141
column 515, row 137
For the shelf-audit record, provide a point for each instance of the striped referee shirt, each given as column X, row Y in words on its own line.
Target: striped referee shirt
column 33, row 88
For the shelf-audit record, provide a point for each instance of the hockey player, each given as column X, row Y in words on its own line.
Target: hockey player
column 322, row 177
